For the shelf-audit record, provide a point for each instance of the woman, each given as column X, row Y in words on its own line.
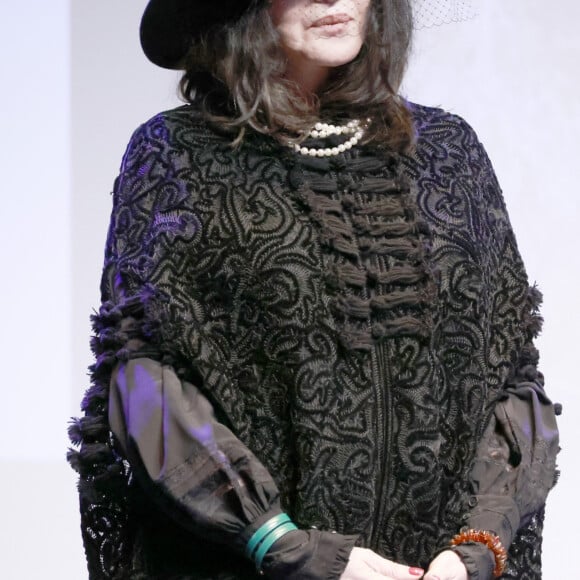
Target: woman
column 314, row 353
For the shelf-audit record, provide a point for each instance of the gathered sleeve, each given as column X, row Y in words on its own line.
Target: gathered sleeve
column 162, row 422
column 513, row 471
column 203, row 476
column 168, row 431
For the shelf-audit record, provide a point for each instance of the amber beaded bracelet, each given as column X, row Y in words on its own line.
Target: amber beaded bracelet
column 488, row 539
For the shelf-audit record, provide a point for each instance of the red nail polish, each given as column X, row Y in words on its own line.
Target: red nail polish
column 416, row 571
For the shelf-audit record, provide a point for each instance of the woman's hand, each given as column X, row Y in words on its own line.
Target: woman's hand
column 447, row 566
column 365, row 564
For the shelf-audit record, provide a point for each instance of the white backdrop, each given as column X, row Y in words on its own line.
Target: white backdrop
column 75, row 85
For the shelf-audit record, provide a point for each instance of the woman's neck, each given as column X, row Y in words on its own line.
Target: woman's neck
column 309, row 79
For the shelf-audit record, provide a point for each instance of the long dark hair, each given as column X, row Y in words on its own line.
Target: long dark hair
column 235, row 73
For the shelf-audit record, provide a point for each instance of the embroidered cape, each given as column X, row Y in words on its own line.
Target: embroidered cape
column 355, row 321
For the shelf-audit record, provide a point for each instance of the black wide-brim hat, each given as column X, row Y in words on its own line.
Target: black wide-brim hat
column 169, row 26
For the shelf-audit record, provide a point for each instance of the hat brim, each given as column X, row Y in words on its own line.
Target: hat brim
column 168, row 26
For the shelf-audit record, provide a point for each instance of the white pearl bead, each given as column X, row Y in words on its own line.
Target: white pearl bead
column 323, row 130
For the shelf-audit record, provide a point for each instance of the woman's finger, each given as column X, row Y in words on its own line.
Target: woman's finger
column 392, row 569
column 365, row 564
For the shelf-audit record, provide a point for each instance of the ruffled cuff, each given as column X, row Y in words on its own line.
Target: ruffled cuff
column 308, row 555
column 492, row 513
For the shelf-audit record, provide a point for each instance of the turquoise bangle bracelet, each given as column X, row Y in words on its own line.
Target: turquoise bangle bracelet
column 272, row 537
column 259, row 535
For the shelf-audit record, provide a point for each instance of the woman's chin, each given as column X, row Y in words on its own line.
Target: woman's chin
column 333, row 55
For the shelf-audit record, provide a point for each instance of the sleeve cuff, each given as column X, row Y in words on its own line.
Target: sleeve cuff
column 308, row 555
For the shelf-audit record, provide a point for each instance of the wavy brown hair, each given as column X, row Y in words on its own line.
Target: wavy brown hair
column 235, row 74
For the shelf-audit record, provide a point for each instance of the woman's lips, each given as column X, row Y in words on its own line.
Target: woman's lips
column 331, row 20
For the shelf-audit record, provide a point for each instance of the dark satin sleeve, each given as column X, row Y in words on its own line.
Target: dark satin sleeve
column 204, row 476
column 513, row 471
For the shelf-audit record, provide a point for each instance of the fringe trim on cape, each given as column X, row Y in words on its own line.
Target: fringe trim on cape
column 376, row 248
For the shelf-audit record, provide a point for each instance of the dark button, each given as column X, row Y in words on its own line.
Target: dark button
column 472, row 501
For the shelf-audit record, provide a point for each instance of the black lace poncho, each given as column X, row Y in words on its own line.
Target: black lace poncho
column 347, row 338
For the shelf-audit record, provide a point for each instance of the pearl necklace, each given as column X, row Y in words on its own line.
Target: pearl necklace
column 322, row 130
